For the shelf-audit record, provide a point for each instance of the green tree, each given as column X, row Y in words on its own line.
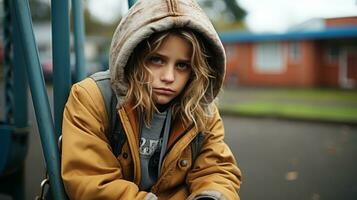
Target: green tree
column 225, row 14
column 95, row 27
column 235, row 9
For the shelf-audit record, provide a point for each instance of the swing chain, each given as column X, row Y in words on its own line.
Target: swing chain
column 45, row 182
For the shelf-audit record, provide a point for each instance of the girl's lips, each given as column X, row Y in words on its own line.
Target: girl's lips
column 164, row 91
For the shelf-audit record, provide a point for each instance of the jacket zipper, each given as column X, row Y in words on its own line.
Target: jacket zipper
column 178, row 139
column 154, row 189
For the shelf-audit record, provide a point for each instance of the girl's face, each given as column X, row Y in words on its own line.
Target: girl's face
column 171, row 68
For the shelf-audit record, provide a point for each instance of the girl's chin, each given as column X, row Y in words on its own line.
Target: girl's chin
column 162, row 100
column 162, row 106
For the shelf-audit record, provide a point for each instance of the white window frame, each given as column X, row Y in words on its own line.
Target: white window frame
column 333, row 53
column 294, row 49
column 269, row 58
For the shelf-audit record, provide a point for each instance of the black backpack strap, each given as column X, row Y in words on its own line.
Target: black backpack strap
column 196, row 146
column 115, row 132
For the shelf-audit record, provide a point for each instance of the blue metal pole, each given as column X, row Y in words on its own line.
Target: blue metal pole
column 131, row 3
column 79, row 39
column 8, row 64
column 20, row 81
column 39, row 97
column 21, row 130
column 61, row 59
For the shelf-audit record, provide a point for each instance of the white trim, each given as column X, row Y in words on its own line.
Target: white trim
column 343, row 79
column 269, row 59
column 294, row 51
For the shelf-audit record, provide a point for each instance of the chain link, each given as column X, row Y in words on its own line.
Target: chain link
column 8, row 65
column 45, row 182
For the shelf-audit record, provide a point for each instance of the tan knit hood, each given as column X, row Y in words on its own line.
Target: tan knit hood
column 150, row 16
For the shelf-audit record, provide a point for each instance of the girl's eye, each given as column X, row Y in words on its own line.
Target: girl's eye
column 156, row 60
column 183, row 66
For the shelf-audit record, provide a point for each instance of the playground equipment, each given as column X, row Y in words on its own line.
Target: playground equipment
column 22, row 68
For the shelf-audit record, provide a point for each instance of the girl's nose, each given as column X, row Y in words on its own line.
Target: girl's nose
column 168, row 74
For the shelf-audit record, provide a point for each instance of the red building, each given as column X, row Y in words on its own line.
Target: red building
column 320, row 52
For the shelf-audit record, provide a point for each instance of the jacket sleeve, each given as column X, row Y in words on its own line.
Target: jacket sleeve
column 89, row 168
column 215, row 172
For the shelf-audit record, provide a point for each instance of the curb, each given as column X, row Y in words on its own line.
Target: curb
column 285, row 118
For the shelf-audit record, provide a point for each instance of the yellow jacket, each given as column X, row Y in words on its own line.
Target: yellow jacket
column 89, row 168
column 91, row 171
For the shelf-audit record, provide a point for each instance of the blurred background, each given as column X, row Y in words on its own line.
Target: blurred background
column 289, row 102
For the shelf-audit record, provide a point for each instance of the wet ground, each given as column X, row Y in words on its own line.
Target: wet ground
column 279, row 159
column 294, row 160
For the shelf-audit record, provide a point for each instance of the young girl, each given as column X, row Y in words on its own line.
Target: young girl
column 167, row 65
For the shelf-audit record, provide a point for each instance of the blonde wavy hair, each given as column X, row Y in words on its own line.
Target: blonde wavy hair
column 192, row 106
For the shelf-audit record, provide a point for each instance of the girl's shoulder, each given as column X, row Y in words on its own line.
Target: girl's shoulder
column 86, row 88
column 87, row 94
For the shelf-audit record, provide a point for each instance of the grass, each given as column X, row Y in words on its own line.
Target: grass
column 308, row 104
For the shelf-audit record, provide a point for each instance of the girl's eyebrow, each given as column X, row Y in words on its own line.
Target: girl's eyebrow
column 166, row 57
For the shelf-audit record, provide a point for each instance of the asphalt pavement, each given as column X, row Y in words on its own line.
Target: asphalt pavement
column 294, row 160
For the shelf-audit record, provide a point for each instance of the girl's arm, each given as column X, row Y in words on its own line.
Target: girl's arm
column 215, row 172
column 89, row 168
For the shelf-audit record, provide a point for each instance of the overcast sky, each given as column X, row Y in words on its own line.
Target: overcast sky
column 263, row 15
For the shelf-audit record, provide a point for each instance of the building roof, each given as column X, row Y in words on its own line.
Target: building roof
column 327, row 33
